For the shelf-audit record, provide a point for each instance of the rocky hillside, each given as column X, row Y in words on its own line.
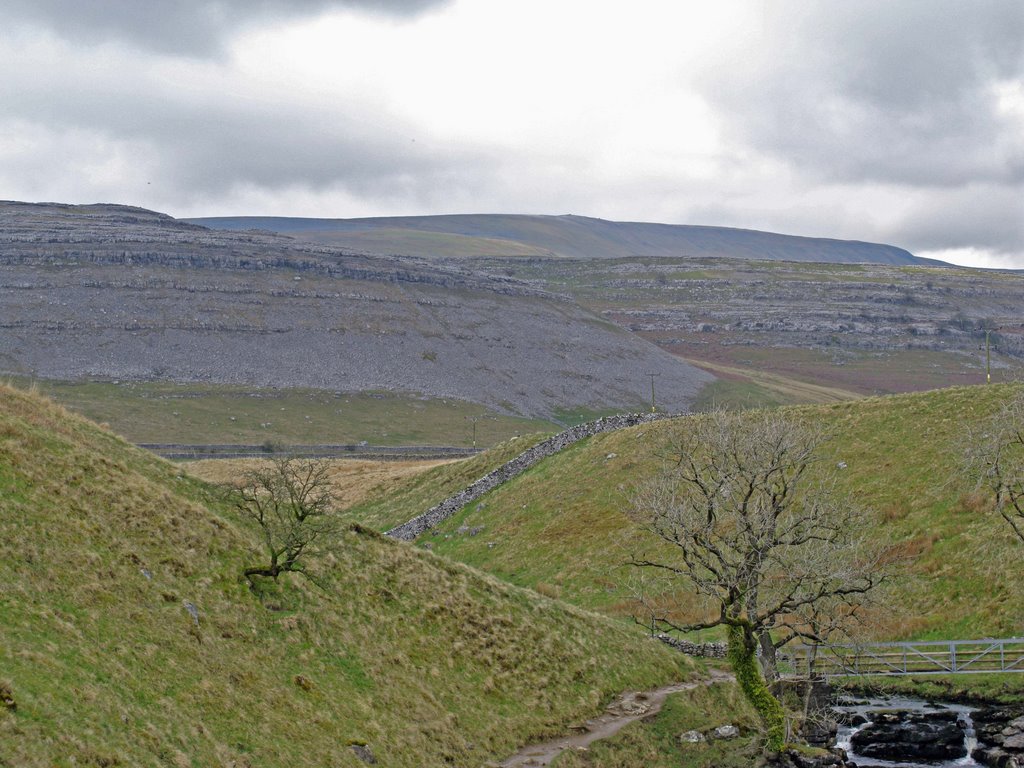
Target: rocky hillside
column 114, row 292
column 768, row 314
column 561, row 236
column 871, row 328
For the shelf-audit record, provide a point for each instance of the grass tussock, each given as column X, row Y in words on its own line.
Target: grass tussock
column 129, row 637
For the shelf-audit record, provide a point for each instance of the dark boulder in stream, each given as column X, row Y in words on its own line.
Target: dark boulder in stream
column 903, row 736
column 814, row 758
column 1001, row 729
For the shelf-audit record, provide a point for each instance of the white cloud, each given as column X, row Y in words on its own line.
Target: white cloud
column 876, row 121
column 975, row 257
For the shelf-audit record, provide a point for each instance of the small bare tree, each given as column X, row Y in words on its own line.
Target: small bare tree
column 766, row 549
column 291, row 501
column 997, row 458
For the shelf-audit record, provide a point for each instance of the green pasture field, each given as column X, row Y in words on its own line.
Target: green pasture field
column 156, row 412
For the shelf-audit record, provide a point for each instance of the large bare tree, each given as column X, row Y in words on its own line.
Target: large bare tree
column 998, row 460
column 771, row 553
column 291, row 501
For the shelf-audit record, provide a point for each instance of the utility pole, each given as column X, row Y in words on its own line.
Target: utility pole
column 988, row 359
column 988, row 353
column 474, row 420
column 654, row 408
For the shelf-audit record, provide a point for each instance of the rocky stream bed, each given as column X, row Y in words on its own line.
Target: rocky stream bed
column 888, row 732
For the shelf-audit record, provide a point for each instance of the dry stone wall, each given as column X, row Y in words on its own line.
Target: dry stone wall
column 708, row 650
column 435, row 515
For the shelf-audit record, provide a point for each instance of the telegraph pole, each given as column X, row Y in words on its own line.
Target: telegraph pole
column 988, row 353
column 474, row 420
column 988, row 359
column 654, row 408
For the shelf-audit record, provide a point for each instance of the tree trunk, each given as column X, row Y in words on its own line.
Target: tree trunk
column 272, row 572
column 743, row 659
column 769, row 663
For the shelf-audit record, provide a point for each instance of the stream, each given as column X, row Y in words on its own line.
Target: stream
column 892, row 732
column 909, row 733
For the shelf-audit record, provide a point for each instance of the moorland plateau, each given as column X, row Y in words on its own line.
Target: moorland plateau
column 792, row 318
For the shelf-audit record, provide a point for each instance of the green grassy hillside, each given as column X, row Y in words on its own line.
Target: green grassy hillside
column 561, row 528
column 394, row 504
column 104, row 548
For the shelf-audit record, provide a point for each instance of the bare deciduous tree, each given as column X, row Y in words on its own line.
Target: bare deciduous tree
column 997, row 458
column 768, row 551
column 291, row 501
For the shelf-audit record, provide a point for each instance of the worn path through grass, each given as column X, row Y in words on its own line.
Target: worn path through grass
column 628, row 708
column 777, row 389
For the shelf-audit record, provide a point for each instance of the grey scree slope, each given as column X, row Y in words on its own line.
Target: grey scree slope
column 112, row 292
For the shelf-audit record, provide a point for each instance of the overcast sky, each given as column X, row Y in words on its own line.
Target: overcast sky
column 899, row 121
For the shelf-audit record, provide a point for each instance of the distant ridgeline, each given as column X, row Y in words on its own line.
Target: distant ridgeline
column 561, row 236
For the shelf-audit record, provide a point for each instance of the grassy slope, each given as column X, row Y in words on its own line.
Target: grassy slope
column 403, row 499
column 560, row 526
column 426, row 661
column 982, row 689
column 160, row 412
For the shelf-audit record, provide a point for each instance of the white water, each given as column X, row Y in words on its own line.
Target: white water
column 910, row 705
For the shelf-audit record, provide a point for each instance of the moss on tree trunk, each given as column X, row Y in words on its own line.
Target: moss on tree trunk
column 743, row 659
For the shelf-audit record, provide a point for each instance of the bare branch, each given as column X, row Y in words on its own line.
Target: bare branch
column 750, row 532
column 996, row 458
column 292, row 503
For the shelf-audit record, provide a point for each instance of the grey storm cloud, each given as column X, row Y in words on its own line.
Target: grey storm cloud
column 209, row 146
column 962, row 218
column 881, row 91
column 185, row 27
column 889, row 100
